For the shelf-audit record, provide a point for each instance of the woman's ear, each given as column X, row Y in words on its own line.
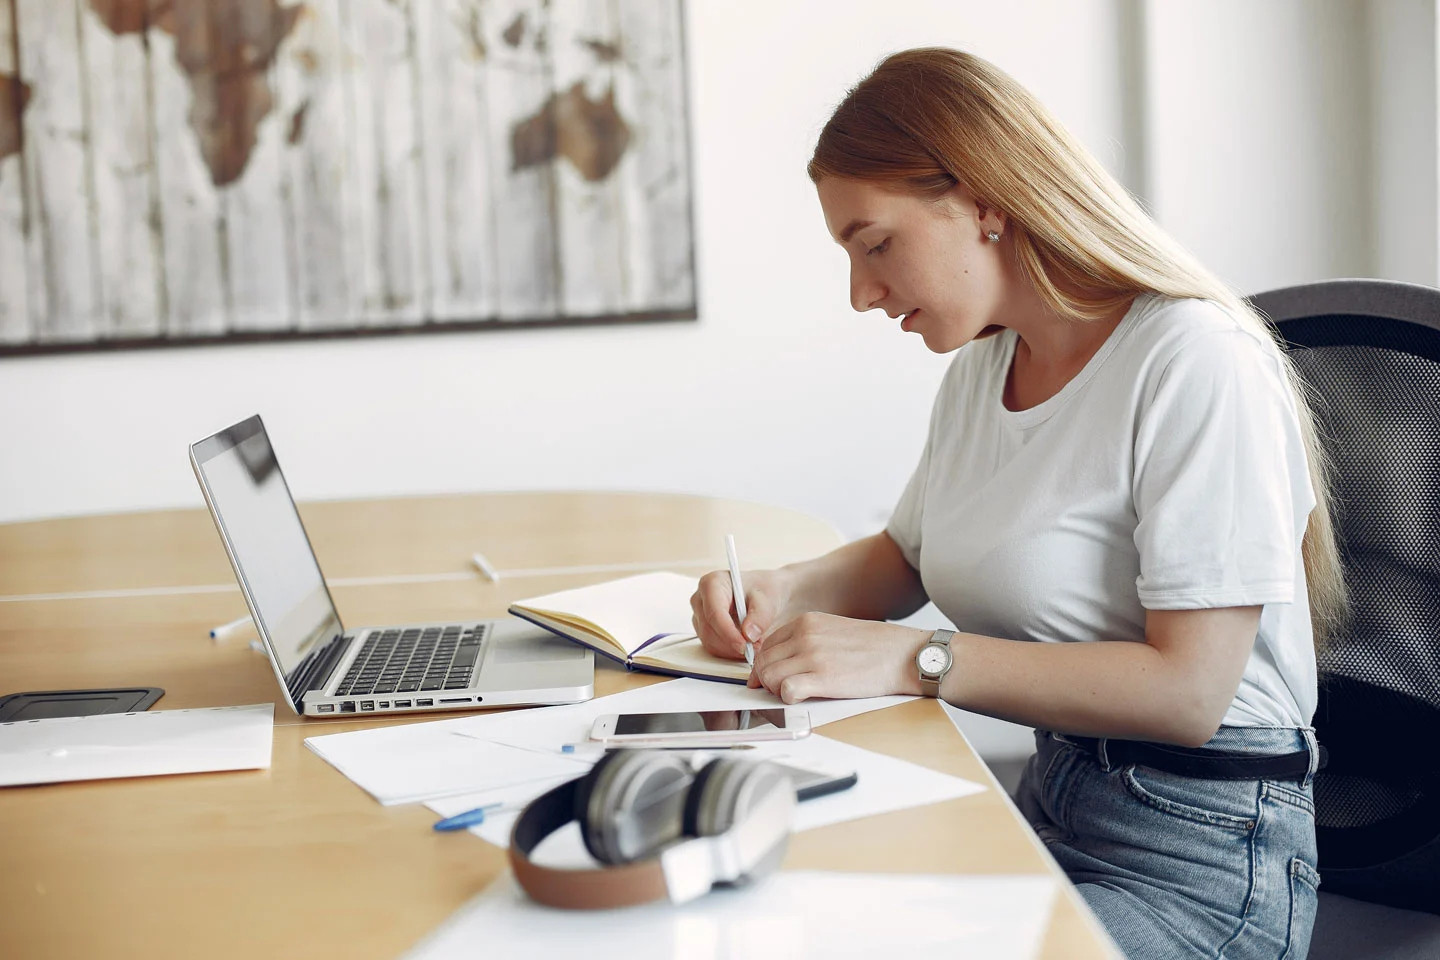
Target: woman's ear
column 989, row 219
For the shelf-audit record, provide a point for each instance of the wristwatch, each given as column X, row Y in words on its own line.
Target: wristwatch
column 934, row 661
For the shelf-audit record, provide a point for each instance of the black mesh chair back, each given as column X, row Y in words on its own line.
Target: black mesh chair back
column 1369, row 353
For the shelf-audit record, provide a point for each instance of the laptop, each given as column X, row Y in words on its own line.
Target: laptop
column 324, row 668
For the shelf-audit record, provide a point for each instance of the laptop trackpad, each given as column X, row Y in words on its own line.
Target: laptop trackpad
column 521, row 642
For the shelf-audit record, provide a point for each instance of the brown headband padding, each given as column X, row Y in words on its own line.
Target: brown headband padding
column 620, row 886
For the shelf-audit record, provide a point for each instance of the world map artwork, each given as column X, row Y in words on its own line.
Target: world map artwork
column 225, row 52
column 207, row 170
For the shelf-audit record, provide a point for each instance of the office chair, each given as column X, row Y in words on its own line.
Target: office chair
column 1369, row 353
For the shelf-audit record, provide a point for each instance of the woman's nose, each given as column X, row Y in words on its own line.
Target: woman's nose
column 865, row 291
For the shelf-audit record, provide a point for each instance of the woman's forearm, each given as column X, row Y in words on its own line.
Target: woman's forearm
column 1112, row 688
column 866, row 580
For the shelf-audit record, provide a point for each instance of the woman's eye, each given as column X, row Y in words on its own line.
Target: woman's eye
column 880, row 247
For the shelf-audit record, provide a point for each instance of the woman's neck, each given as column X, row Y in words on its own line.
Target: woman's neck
column 1051, row 350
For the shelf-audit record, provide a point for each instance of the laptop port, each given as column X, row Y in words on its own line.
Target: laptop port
column 326, row 708
column 348, row 706
column 456, row 700
column 401, row 703
column 384, row 704
column 425, row 703
column 367, row 704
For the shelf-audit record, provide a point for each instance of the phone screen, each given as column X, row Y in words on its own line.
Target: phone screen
column 698, row 721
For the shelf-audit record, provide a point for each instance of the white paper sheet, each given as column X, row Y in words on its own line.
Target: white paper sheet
column 553, row 727
column 802, row 915
column 422, row 761
column 397, row 765
column 144, row 744
column 882, row 784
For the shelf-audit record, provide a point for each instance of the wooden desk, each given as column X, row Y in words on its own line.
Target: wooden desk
column 296, row 860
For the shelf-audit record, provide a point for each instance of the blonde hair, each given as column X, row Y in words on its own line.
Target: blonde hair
column 930, row 119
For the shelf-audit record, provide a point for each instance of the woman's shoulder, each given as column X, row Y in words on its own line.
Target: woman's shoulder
column 1201, row 341
column 1171, row 319
column 1192, row 331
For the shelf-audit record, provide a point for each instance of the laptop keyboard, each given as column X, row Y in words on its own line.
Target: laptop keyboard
column 399, row 661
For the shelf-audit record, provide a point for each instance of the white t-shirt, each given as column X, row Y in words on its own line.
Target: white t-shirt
column 1169, row 474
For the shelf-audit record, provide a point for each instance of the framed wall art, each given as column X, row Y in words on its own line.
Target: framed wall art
column 187, row 171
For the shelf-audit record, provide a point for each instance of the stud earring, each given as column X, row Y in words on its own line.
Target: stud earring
column 993, row 236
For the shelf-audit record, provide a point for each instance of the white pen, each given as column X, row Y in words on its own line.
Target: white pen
column 739, row 591
column 225, row 629
column 483, row 565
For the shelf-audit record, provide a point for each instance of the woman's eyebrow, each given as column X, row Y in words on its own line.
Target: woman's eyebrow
column 851, row 227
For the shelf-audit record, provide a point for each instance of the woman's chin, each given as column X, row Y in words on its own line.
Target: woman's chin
column 941, row 341
column 940, row 338
column 939, row 345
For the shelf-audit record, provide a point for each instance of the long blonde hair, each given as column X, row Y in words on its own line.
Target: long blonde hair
column 929, row 119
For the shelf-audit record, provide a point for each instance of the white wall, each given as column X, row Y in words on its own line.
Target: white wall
column 1257, row 136
column 1405, row 147
column 1295, row 140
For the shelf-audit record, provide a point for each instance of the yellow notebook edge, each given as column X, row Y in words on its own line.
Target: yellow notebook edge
column 575, row 629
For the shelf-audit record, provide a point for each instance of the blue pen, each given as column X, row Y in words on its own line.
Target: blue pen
column 470, row 818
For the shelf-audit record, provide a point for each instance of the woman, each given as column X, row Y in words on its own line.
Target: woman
column 1120, row 467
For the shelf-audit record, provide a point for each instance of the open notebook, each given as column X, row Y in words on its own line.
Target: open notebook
column 643, row 622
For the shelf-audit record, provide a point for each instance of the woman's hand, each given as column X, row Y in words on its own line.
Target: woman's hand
column 712, row 606
column 822, row 655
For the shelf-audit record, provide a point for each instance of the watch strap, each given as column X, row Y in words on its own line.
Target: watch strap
column 930, row 682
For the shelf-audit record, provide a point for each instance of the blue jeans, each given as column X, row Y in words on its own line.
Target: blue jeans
column 1177, row 866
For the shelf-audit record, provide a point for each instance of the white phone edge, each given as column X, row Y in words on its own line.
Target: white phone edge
column 797, row 727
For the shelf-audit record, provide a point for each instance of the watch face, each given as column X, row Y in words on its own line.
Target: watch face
column 933, row 658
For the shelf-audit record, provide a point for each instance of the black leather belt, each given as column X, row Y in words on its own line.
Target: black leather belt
column 1201, row 763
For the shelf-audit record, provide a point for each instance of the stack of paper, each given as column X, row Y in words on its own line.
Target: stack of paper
column 423, row 761
column 143, row 744
column 883, row 784
column 798, row 916
column 511, row 758
column 410, row 763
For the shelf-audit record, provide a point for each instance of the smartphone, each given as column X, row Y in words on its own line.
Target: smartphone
column 701, row 727
column 816, row 783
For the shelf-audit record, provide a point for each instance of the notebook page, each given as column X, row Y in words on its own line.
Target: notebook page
column 627, row 612
column 686, row 655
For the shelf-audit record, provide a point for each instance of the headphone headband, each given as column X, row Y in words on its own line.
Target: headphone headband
column 620, row 886
column 680, row 872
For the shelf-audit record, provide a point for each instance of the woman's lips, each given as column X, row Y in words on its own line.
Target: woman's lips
column 908, row 321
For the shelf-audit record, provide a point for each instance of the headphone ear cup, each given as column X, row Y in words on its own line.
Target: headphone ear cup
column 724, row 793
column 691, row 821
column 631, row 804
column 716, row 800
column 584, row 789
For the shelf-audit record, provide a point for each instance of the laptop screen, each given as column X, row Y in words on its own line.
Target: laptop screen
column 272, row 556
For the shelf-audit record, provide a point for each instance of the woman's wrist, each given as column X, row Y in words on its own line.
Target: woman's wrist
column 792, row 584
column 908, row 670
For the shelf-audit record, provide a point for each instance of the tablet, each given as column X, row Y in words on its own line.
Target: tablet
column 47, row 704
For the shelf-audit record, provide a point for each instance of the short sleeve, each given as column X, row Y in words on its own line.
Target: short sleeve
column 1221, row 486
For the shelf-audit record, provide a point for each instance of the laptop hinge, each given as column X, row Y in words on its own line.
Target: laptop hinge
column 314, row 671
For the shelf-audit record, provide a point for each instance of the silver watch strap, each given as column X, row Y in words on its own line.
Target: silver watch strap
column 930, row 685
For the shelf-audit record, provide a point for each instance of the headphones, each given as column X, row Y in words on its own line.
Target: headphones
column 665, row 830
